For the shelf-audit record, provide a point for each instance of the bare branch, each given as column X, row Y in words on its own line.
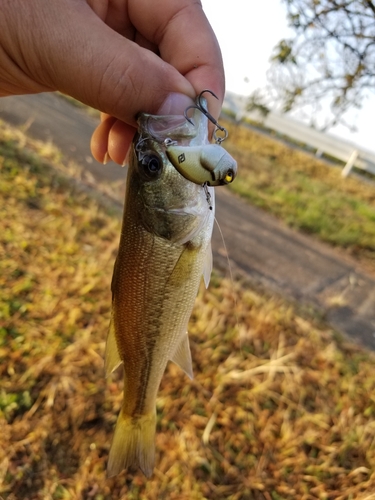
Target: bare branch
column 330, row 59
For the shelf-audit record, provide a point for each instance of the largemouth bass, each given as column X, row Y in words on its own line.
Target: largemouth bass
column 165, row 248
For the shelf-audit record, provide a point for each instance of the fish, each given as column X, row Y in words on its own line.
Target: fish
column 164, row 250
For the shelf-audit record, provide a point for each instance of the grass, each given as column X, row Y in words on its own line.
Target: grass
column 280, row 407
column 304, row 192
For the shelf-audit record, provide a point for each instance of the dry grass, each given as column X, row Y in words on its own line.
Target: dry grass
column 280, row 407
column 304, row 192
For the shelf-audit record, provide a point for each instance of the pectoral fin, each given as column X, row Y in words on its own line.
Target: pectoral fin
column 112, row 357
column 182, row 356
column 207, row 268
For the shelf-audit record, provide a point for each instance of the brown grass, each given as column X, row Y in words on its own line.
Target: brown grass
column 280, row 407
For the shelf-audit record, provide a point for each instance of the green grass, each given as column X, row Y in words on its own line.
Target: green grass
column 304, row 192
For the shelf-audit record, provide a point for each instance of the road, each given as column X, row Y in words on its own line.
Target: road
column 299, row 132
column 260, row 246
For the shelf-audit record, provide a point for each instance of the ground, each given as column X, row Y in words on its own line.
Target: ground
column 281, row 407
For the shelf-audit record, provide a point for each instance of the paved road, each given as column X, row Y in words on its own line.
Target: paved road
column 259, row 245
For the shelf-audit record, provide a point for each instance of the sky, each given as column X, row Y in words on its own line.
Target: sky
column 247, row 31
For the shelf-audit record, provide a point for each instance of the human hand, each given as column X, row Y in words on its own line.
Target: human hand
column 119, row 56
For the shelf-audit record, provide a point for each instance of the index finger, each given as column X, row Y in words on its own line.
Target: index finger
column 185, row 40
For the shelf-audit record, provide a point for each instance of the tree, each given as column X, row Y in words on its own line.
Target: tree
column 330, row 60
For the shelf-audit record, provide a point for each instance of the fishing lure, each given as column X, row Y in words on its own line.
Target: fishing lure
column 208, row 164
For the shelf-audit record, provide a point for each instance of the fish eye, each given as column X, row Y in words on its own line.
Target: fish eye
column 151, row 166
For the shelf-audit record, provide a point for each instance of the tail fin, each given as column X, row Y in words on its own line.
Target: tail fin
column 133, row 444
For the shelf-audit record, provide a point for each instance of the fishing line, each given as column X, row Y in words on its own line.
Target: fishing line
column 230, row 276
column 234, row 295
column 235, row 301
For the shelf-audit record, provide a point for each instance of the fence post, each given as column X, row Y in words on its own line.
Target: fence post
column 350, row 163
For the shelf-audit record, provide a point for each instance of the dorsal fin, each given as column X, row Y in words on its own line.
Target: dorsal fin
column 207, row 267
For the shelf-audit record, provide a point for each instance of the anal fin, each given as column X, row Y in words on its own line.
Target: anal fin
column 112, row 356
column 182, row 356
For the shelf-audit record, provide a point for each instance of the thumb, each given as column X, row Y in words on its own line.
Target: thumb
column 107, row 71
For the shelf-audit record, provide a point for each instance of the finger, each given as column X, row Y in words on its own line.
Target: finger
column 112, row 137
column 119, row 140
column 99, row 139
column 185, row 40
column 104, row 116
column 115, row 15
column 81, row 56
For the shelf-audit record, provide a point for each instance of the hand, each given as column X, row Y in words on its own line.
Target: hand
column 119, row 56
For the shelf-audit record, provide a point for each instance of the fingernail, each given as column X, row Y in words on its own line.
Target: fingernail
column 106, row 159
column 175, row 104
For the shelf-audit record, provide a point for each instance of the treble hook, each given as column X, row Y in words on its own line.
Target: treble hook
column 203, row 110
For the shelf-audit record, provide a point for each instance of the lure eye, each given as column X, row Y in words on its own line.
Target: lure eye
column 151, row 166
column 229, row 177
